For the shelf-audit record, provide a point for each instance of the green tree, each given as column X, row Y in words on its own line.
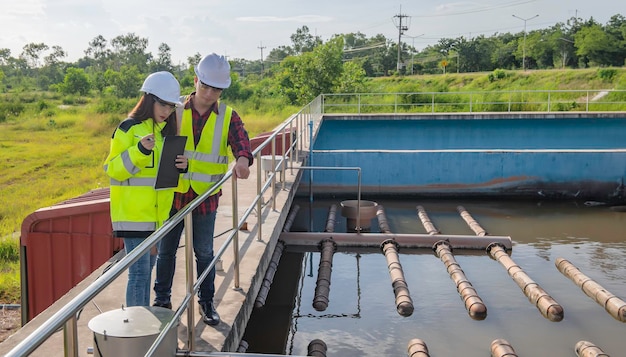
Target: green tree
column 125, row 83
column 75, row 82
column 130, row 50
column 303, row 41
column 594, row 46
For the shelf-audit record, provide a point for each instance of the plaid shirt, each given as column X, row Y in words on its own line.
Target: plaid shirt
column 237, row 140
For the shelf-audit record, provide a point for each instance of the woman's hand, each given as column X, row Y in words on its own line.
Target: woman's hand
column 148, row 141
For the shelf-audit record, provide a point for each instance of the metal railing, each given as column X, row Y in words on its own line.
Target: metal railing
column 66, row 316
column 474, row 101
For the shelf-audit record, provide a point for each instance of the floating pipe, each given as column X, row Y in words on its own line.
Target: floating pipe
column 317, row 348
column 330, row 221
column 327, row 248
column 549, row 308
column 501, row 348
column 291, row 218
column 243, row 346
column 426, row 222
column 474, row 226
column 269, row 275
column 382, row 220
column 473, row 303
column 417, row 348
column 404, row 304
column 273, row 266
column 588, row 349
column 412, row 240
column 615, row 306
column 322, row 286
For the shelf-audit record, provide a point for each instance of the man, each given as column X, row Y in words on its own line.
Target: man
column 213, row 126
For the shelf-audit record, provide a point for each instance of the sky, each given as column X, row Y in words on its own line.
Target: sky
column 250, row 29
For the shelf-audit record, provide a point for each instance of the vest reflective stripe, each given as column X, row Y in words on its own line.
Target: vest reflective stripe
column 196, row 176
column 134, row 226
column 211, row 158
column 135, row 181
column 128, row 163
column 208, row 160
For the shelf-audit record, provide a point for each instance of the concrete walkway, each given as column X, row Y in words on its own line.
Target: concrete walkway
column 233, row 304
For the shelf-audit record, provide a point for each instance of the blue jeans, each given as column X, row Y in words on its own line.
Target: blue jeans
column 203, row 226
column 139, row 275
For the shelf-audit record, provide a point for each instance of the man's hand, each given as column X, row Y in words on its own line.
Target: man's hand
column 242, row 169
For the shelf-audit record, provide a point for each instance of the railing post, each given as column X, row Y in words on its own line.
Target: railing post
column 549, row 97
column 70, row 337
column 432, row 102
column 259, row 203
column 191, row 333
column 236, row 233
column 471, row 100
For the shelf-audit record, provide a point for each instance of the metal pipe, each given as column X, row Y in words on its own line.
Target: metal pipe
column 404, row 240
column 588, row 349
column 382, row 220
column 291, row 218
column 324, row 271
column 317, row 348
column 404, row 304
column 615, row 306
column 330, row 221
column 426, row 222
column 474, row 226
column 502, row 348
column 269, row 275
column 417, row 348
column 549, row 308
column 473, row 303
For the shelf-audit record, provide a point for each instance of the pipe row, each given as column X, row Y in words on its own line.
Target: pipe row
column 273, row 266
column 426, row 222
column 417, row 348
column 502, row 348
column 269, row 275
column 404, row 304
column 382, row 220
column 588, row 349
column 471, row 222
column 322, row 286
column 548, row 307
column 615, row 306
column 317, row 348
column 327, row 248
column 473, row 303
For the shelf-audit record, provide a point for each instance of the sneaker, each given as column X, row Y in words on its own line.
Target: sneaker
column 167, row 305
column 209, row 313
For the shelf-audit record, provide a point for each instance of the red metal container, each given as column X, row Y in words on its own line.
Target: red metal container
column 259, row 139
column 61, row 245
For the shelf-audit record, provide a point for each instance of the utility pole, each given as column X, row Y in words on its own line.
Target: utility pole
column 401, row 29
column 262, row 65
column 524, row 44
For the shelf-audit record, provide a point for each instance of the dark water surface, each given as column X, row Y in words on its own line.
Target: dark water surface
column 361, row 319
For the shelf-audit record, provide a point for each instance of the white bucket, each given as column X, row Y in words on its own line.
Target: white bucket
column 132, row 330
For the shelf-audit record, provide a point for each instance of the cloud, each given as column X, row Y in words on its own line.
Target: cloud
column 300, row 19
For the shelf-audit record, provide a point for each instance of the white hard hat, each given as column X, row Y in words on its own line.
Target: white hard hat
column 164, row 85
column 214, row 70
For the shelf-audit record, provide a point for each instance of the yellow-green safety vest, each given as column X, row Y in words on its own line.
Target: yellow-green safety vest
column 207, row 162
column 135, row 204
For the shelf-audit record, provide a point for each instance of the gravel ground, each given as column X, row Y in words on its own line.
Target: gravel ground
column 10, row 321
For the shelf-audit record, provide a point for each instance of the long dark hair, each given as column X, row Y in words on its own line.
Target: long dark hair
column 144, row 109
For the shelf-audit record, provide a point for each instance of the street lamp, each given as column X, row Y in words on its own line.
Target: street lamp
column 413, row 50
column 524, row 45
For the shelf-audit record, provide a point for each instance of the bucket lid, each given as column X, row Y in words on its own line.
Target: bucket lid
column 134, row 321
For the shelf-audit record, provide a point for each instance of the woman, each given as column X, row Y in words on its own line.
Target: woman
column 137, row 208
